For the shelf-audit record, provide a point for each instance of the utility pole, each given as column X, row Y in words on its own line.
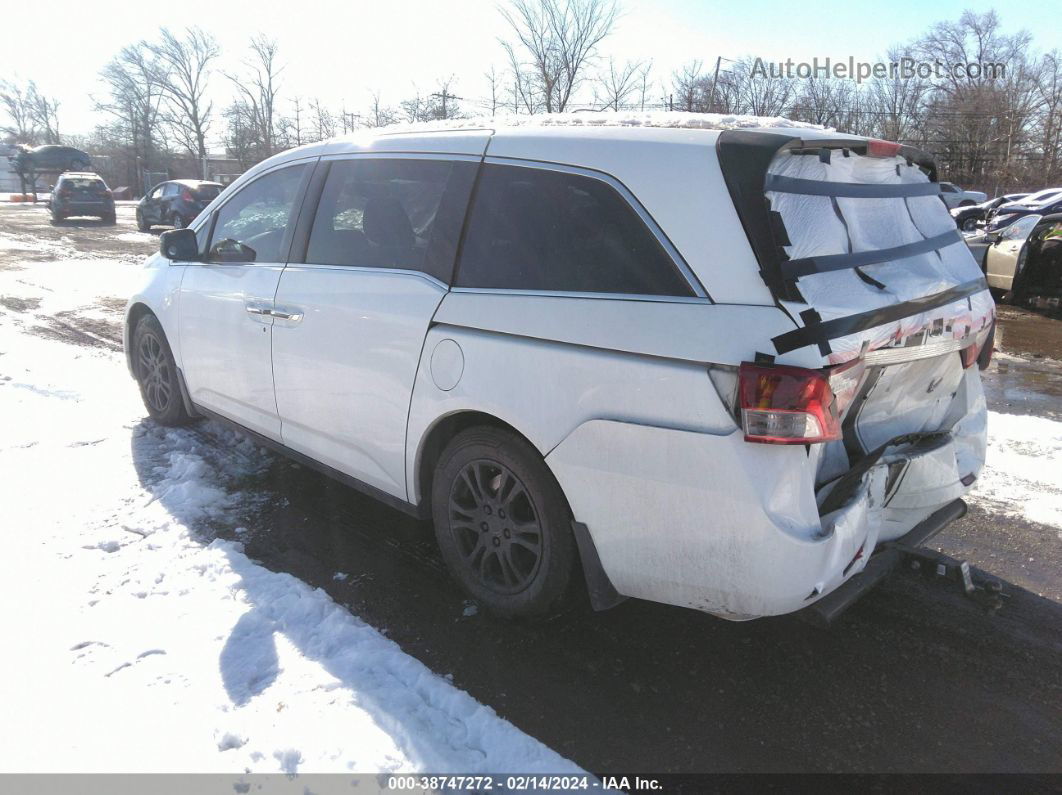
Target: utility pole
column 443, row 96
column 715, row 79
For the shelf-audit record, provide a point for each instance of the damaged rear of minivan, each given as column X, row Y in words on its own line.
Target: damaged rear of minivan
column 861, row 425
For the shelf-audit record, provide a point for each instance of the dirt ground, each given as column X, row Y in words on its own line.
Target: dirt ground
column 915, row 678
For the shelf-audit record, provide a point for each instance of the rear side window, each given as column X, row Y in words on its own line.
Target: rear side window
column 253, row 225
column 378, row 213
column 537, row 229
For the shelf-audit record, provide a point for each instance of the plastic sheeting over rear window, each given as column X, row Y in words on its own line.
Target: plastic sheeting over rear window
column 836, row 225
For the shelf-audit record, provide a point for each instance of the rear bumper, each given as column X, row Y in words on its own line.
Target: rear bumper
column 82, row 208
column 730, row 528
column 827, row 609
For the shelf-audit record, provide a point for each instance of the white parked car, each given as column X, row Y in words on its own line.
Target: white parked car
column 716, row 369
column 954, row 196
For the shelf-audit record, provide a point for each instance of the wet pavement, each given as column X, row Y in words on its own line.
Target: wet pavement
column 915, row 677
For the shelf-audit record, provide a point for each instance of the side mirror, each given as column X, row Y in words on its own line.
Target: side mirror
column 993, row 237
column 179, row 245
column 229, row 250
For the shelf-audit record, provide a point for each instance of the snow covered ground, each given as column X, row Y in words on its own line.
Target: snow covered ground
column 135, row 642
column 138, row 641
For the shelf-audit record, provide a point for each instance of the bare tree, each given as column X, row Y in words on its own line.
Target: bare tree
column 15, row 101
column 258, row 89
column 322, row 122
column 492, row 86
column 379, row 114
column 184, row 75
column 134, row 84
column 616, row 84
column 554, row 42
column 687, row 87
column 643, row 83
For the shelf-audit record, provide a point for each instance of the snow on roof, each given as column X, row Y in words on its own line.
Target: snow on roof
column 672, row 119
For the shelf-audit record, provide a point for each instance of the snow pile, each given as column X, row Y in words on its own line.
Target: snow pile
column 663, row 118
column 1023, row 472
column 145, row 646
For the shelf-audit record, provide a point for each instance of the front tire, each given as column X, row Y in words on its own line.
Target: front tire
column 156, row 373
column 503, row 524
column 178, row 222
column 141, row 224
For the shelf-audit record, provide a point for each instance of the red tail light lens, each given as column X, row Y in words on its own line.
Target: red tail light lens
column 791, row 405
column 186, row 195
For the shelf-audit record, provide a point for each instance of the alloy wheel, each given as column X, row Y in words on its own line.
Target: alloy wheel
column 496, row 527
column 155, row 375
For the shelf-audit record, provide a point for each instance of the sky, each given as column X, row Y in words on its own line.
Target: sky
column 342, row 50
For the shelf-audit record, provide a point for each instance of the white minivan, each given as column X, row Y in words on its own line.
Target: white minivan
column 721, row 369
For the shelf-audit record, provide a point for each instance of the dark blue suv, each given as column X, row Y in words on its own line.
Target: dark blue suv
column 175, row 203
column 81, row 193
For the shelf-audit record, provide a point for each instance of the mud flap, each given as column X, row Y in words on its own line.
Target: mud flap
column 599, row 587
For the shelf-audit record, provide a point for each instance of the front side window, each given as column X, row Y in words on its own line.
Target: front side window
column 157, row 192
column 538, row 229
column 253, row 225
column 378, row 213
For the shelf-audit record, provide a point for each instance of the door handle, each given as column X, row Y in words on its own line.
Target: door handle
column 291, row 316
column 258, row 310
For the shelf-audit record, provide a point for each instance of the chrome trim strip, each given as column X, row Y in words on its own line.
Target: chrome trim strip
column 630, row 198
column 663, row 299
column 295, row 266
column 399, row 156
column 929, row 350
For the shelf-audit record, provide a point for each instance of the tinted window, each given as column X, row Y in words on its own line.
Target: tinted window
column 258, row 217
column 171, row 189
column 535, row 229
column 378, row 213
column 83, row 183
column 207, row 192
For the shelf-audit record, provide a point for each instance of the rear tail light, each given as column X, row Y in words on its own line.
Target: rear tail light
column 792, row 405
column 878, row 148
column 186, row 195
column 979, row 351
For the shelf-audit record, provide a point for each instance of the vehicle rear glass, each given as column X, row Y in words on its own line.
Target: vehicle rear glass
column 206, row 192
column 83, row 184
column 539, row 229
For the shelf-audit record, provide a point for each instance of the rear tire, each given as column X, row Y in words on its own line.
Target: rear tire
column 156, row 373
column 178, row 222
column 110, row 220
column 141, row 224
column 503, row 524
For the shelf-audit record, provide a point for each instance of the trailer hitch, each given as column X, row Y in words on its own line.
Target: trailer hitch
column 985, row 591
